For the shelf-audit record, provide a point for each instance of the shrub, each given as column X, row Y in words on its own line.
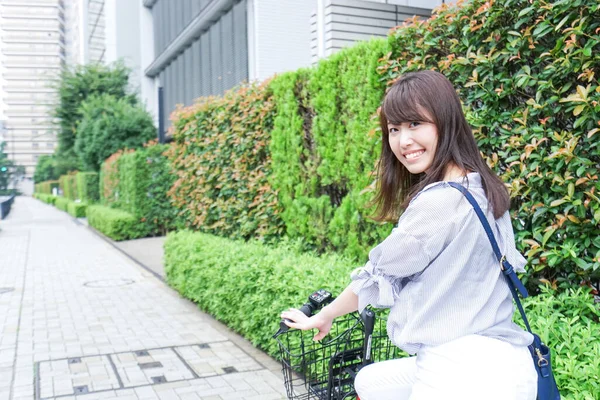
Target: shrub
column 221, row 160
column 62, row 203
column 324, row 146
column 109, row 124
column 218, row 273
column 88, row 187
column 246, row 285
column 46, row 187
column 116, row 224
column 145, row 177
column 68, row 185
column 109, row 179
column 77, row 210
column 47, row 198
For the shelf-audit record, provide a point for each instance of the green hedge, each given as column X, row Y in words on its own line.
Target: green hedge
column 45, row 187
column 88, row 187
column 145, row 177
column 324, row 146
column 77, row 210
column 68, row 185
column 46, row 198
column 222, row 164
column 109, row 179
column 62, row 203
column 116, row 224
column 246, row 285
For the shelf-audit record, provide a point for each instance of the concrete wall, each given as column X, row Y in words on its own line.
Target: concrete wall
column 336, row 24
column 122, row 36
column 278, row 36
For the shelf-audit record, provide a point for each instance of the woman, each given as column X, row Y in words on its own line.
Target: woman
column 450, row 304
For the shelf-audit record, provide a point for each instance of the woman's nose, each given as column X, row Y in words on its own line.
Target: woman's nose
column 405, row 139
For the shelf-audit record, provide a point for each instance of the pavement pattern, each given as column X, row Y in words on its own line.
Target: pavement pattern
column 80, row 320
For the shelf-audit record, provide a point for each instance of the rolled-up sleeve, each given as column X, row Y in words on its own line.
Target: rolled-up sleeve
column 424, row 230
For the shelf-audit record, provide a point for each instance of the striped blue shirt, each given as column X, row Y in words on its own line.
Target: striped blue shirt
column 438, row 273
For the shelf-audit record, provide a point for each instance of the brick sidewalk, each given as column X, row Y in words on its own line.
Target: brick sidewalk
column 79, row 320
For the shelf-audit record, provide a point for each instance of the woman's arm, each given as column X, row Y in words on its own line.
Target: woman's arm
column 345, row 303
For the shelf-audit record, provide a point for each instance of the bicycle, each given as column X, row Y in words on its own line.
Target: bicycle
column 326, row 370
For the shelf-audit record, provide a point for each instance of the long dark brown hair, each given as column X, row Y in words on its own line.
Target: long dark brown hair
column 428, row 96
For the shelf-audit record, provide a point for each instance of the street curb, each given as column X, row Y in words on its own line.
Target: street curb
column 112, row 243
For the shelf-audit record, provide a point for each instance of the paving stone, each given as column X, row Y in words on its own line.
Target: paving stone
column 52, row 317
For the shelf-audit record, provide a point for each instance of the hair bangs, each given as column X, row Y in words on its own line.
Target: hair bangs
column 403, row 104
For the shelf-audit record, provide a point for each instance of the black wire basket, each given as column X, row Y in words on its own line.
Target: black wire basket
column 326, row 370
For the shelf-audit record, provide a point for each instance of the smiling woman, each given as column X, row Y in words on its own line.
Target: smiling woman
column 436, row 271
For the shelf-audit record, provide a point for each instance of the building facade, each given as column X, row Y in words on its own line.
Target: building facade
column 205, row 47
column 32, row 54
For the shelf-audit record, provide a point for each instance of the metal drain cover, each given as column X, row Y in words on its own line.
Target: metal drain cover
column 109, row 283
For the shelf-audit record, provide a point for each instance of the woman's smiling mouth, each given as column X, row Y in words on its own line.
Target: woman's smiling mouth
column 413, row 154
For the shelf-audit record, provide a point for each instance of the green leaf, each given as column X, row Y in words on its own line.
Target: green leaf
column 526, row 11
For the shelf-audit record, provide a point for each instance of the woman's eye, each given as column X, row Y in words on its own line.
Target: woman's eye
column 414, row 124
column 393, row 130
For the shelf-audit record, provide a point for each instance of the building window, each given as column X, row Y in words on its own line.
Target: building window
column 50, row 145
column 35, row 145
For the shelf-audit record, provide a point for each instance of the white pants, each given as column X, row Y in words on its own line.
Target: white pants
column 469, row 368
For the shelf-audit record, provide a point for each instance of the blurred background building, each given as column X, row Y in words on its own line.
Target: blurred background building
column 32, row 53
column 178, row 50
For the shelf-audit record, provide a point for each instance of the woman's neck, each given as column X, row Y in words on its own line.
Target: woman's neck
column 453, row 172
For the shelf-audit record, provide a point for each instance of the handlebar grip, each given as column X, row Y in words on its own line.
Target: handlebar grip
column 307, row 309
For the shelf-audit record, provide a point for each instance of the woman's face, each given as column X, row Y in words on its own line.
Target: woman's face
column 414, row 144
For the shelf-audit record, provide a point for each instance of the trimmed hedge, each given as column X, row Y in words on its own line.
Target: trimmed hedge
column 62, row 203
column 145, row 177
column 68, row 185
column 88, row 187
column 109, row 179
column 221, row 159
column 116, row 224
column 246, row 285
column 46, row 198
column 45, row 187
column 324, row 146
column 77, row 210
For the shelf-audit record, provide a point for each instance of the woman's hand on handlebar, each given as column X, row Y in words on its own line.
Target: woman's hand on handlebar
column 319, row 321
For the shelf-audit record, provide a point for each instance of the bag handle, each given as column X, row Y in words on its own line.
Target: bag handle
column 514, row 283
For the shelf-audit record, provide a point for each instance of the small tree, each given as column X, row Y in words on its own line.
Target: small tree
column 45, row 169
column 74, row 87
column 109, row 124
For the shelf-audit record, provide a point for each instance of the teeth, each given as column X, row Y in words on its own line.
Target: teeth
column 414, row 155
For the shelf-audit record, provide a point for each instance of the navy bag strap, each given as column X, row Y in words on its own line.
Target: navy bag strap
column 514, row 283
